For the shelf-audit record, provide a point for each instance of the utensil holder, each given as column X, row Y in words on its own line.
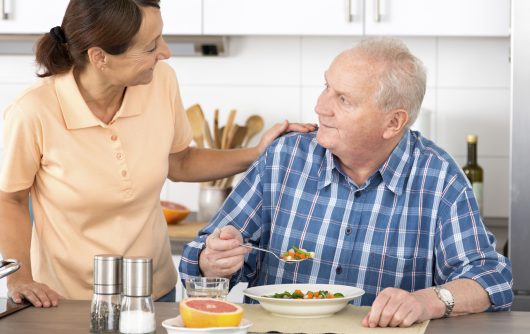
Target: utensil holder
column 210, row 201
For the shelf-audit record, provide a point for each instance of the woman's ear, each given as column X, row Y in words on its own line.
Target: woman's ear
column 97, row 57
column 396, row 122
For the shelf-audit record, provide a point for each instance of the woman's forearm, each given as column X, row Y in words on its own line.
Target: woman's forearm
column 198, row 165
column 15, row 231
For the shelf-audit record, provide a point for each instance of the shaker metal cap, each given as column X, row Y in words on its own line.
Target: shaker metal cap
column 137, row 276
column 107, row 274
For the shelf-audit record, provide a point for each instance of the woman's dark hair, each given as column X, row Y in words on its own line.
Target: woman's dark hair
column 110, row 25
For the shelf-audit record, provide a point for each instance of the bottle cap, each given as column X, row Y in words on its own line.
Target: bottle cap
column 107, row 274
column 472, row 139
column 137, row 276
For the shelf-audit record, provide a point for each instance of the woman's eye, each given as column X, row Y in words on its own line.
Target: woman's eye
column 326, row 86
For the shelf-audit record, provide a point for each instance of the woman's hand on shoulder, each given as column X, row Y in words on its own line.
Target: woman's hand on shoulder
column 279, row 129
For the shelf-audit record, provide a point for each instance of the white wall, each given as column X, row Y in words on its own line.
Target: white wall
column 281, row 77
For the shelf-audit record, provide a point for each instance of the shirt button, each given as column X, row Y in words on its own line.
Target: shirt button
column 113, row 137
column 348, row 230
column 357, row 194
column 119, row 156
column 338, row 270
column 124, row 173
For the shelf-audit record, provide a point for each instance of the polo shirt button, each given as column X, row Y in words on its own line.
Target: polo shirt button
column 338, row 270
column 119, row 156
column 348, row 230
column 124, row 173
column 113, row 137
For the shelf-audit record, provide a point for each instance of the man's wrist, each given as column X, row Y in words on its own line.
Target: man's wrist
column 446, row 297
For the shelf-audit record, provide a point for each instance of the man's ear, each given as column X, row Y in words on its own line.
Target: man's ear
column 97, row 57
column 396, row 122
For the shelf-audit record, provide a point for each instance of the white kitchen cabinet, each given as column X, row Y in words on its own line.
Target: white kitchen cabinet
column 283, row 17
column 182, row 17
column 437, row 17
column 30, row 16
column 357, row 17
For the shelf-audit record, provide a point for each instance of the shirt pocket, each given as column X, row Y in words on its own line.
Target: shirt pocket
column 407, row 273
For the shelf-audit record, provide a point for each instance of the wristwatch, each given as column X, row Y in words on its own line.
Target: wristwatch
column 446, row 297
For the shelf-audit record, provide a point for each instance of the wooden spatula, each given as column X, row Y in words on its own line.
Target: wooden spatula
column 196, row 118
column 254, row 125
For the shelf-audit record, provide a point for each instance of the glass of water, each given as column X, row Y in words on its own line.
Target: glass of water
column 213, row 287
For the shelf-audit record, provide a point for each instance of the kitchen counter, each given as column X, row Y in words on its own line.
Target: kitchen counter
column 73, row 317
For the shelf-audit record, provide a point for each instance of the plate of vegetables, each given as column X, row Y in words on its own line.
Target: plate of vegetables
column 303, row 300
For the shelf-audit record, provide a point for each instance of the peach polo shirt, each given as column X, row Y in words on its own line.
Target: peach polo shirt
column 95, row 187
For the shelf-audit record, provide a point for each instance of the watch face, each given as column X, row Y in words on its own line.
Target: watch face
column 446, row 294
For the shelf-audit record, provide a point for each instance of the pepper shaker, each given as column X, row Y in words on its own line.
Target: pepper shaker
column 137, row 308
column 106, row 301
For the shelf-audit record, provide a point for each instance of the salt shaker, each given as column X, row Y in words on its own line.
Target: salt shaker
column 137, row 309
column 106, row 301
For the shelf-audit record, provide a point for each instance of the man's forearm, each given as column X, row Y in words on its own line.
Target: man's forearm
column 469, row 297
column 197, row 165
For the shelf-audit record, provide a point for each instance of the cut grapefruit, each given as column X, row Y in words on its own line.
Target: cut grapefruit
column 209, row 312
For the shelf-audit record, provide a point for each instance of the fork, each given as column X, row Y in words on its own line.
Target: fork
column 274, row 254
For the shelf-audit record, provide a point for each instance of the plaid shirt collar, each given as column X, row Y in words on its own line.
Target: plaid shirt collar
column 393, row 172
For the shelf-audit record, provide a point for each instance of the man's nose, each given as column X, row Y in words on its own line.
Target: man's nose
column 323, row 106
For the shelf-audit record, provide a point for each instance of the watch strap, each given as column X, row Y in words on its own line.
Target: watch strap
column 449, row 302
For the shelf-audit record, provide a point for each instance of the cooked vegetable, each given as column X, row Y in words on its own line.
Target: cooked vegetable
column 296, row 253
column 298, row 294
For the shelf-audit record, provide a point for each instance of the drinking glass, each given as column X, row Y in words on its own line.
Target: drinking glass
column 213, row 287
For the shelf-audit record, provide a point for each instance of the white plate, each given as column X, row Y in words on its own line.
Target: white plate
column 176, row 326
column 303, row 308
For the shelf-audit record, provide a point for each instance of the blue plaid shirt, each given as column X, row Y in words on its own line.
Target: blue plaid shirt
column 415, row 223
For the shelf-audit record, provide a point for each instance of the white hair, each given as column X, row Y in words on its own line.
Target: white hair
column 402, row 79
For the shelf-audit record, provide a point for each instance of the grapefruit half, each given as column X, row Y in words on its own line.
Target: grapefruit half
column 209, row 312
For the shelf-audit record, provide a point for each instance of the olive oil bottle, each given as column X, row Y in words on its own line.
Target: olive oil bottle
column 473, row 171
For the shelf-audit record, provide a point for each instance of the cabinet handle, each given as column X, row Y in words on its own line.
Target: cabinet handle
column 6, row 10
column 377, row 11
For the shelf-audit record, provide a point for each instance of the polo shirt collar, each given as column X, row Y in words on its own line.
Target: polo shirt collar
column 75, row 111
column 393, row 172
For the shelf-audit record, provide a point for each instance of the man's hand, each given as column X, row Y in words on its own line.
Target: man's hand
column 38, row 294
column 277, row 130
column 222, row 255
column 398, row 308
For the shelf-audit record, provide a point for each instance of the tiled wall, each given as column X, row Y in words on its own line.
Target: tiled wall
column 281, row 77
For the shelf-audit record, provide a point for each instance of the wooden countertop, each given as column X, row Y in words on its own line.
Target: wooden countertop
column 72, row 317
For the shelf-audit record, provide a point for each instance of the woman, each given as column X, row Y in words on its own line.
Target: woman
column 93, row 142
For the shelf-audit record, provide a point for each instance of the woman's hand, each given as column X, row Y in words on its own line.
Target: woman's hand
column 280, row 128
column 38, row 294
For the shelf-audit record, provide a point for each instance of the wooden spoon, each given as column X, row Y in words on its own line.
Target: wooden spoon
column 196, row 118
column 254, row 125
column 217, row 134
column 228, row 127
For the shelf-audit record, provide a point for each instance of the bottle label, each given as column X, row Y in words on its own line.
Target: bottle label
column 478, row 190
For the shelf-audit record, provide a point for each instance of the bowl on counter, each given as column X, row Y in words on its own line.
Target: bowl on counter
column 174, row 212
column 303, row 308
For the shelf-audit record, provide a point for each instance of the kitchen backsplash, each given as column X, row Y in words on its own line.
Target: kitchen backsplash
column 280, row 78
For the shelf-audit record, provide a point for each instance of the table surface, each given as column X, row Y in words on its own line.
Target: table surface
column 73, row 317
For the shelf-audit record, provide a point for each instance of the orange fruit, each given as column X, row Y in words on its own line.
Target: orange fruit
column 209, row 312
column 174, row 212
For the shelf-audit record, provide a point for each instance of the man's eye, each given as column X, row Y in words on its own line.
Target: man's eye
column 153, row 49
column 344, row 100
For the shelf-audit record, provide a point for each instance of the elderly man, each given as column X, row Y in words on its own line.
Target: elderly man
column 382, row 207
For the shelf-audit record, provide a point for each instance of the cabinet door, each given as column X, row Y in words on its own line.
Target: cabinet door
column 438, row 17
column 31, row 16
column 182, row 17
column 283, row 17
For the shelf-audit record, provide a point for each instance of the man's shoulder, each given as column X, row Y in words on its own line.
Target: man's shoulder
column 429, row 156
column 297, row 141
